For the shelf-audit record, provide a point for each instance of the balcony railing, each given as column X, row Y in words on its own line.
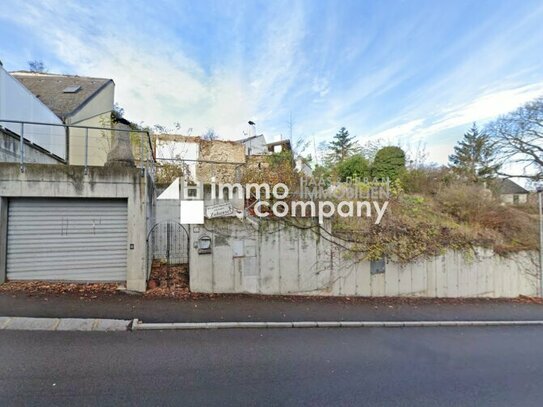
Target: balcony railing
column 71, row 145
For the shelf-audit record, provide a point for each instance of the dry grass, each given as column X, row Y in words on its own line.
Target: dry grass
column 456, row 217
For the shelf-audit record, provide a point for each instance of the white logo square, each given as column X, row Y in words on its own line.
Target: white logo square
column 192, row 212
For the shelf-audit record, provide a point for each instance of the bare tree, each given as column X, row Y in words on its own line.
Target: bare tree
column 36, row 66
column 210, row 135
column 519, row 139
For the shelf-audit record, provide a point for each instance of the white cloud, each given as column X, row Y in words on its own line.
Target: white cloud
column 397, row 132
column 157, row 83
column 480, row 110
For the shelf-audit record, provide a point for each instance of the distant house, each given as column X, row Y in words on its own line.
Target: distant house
column 279, row 146
column 77, row 101
column 255, row 145
column 510, row 192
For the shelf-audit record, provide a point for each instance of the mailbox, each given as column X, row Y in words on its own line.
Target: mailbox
column 204, row 245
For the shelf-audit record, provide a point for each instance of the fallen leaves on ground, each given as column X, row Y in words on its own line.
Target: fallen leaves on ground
column 168, row 280
column 86, row 290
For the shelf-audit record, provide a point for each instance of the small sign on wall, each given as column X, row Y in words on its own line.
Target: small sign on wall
column 219, row 210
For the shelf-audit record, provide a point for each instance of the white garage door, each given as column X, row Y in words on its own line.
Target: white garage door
column 67, row 239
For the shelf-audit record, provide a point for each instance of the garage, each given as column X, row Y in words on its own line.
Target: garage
column 67, row 239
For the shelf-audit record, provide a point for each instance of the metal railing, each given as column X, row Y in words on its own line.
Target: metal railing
column 38, row 141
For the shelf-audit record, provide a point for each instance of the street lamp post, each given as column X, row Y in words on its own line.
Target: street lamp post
column 539, row 193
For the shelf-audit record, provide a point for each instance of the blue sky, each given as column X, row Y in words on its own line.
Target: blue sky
column 403, row 72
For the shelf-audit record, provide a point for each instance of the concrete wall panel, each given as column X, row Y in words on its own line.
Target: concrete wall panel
column 268, row 251
column 290, row 260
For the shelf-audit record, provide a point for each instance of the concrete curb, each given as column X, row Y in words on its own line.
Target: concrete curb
column 142, row 326
column 63, row 324
column 110, row 325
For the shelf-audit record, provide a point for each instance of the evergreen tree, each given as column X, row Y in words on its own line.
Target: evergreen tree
column 474, row 156
column 341, row 147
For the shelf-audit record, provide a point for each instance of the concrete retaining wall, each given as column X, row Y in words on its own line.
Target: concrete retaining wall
column 61, row 181
column 281, row 259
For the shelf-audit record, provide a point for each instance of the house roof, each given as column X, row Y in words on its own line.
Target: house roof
column 244, row 140
column 280, row 142
column 506, row 187
column 63, row 94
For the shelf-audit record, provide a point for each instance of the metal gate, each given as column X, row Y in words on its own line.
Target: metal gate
column 168, row 242
column 67, row 239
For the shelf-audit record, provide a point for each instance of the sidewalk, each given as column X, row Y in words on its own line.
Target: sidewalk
column 245, row 308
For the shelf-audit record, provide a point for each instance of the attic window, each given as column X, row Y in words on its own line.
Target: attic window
column 72, row 89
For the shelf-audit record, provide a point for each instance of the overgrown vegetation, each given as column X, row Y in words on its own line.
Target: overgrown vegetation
column 449, row 216
column 272, row 169
column 431, row 208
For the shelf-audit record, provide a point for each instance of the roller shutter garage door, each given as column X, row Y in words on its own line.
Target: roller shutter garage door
column 67, row 239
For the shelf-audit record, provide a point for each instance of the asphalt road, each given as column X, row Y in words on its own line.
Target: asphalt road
column 392, row 367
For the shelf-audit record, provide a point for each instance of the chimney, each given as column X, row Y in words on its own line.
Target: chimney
column 252, row 128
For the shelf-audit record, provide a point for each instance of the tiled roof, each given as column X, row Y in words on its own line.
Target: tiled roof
column 506, row 187
column 50, row 89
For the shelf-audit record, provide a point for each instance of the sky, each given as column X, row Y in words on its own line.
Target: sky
column 408, row 72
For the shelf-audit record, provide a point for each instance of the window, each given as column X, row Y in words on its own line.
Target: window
column 516, row 199
column 377, row 266
column 72, row 89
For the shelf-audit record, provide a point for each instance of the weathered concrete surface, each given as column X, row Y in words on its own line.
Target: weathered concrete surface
column 221, row 151
column 75, row 324
column 32, row 324
column 121, row 151
column 62, row 324
column 3, row 237
column 281, row 259
column 61, row 181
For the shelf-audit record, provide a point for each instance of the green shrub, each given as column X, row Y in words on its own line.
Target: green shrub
column 353, row 167
column 389, row 162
